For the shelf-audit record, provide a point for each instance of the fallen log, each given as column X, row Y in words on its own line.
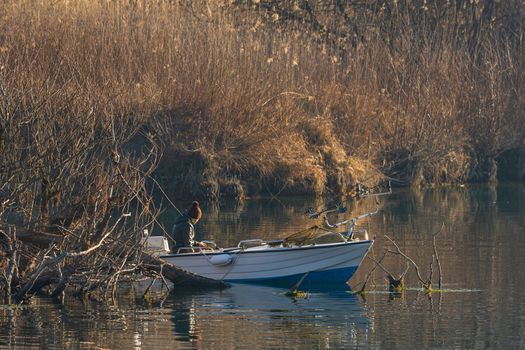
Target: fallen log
column 48, row 276
column 32, row 236
column 178, row 276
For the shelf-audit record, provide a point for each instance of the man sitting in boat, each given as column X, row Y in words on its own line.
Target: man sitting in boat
column 183, row 232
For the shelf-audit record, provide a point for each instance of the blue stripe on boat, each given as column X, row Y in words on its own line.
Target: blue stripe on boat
column 316, row 279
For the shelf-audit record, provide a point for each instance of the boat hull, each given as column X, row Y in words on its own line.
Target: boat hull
column 324, row 263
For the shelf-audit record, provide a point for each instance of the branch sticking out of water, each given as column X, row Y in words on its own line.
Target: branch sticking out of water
column 427, row 285
column 437, row 256
column 396, row 284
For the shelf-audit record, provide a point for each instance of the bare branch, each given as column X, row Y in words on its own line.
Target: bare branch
column 369, row 274
column 406, row 257
column 436, row 254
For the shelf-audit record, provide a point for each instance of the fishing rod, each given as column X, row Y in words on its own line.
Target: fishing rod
column 351, row 223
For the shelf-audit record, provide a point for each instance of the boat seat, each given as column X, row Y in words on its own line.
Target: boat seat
column 185, row 250
column 275, row 243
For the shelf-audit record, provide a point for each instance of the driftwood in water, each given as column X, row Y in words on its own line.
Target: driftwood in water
column 426, row 284
column 54, row 273
column 178, row 276
column 397, row 284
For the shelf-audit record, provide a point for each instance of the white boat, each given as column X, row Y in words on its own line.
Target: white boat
column 313, row 256
column 256, row 261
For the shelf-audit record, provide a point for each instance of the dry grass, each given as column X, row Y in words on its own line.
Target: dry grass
column 280, row 97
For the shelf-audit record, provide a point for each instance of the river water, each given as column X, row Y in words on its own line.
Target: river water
column 482, row 305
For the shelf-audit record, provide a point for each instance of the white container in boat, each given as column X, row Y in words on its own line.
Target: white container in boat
column 157, row 245
column 221, row 259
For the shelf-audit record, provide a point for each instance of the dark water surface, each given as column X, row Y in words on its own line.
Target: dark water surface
column 482, row 253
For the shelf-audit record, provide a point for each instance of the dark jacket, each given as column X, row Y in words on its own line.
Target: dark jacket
column 183, row 233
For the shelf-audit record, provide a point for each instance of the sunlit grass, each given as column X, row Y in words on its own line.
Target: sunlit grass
column 248, row 96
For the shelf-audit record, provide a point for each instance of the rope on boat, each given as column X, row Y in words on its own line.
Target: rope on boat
column 235, row 257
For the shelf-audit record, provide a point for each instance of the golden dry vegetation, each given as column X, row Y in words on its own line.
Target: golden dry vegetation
column 98, row 98
column 281, row 97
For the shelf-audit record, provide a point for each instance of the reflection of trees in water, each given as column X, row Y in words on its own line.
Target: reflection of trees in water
column 480, row 248
column 85, row 325
column 30, row 325
column 227, row 223
column 288, row 332
column 470, row 221
column 8, row 327
column 40, row 325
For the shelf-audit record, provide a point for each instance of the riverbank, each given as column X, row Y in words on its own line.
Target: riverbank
column 277, row 98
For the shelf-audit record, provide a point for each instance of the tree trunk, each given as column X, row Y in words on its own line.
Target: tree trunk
column 178, row 276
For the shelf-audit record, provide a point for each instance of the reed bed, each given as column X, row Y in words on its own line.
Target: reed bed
column 251, row 97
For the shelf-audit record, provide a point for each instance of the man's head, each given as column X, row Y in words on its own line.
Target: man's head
column 195, row 212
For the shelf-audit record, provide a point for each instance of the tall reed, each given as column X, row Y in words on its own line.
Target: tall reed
column 286, row 97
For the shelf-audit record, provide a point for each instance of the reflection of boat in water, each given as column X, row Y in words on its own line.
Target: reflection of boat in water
column 315, row 255
column 264, row 317
column 242, row 296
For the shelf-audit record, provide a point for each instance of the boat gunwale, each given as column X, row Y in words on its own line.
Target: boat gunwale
column 238, row 250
